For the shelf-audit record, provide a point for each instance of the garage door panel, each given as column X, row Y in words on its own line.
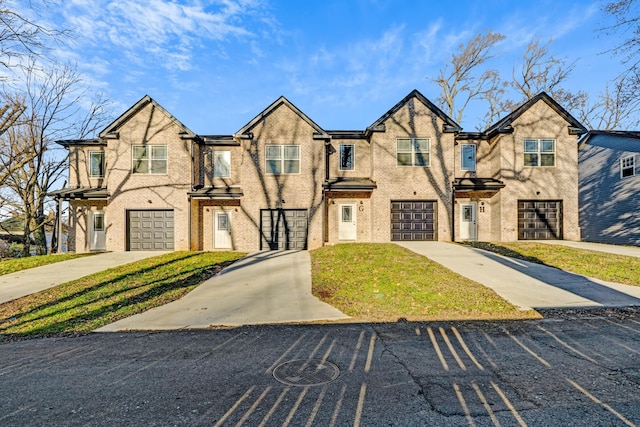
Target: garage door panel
column 413, row 220
column 283, row 229
column 150, row 230
column 539, row 220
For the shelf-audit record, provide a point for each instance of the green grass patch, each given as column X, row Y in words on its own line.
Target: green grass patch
column 102, row 298
column 598, row 265
column 11, row 265
column 385, row 282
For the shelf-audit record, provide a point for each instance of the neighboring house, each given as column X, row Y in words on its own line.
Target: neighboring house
column 609, row 169
column 283, row 182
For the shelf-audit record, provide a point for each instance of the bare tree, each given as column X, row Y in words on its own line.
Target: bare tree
column 615, row 108
column 626, row 15
column 53, row 102
column 462, row 80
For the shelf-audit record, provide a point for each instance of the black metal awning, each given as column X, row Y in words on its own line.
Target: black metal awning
column 217, row 193
column 349, row 184
column 81, row 193
column 477, row 184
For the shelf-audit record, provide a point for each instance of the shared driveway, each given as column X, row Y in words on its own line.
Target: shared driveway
column 529, row 285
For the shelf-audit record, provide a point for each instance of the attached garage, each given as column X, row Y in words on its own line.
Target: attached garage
column 413, row 220
column 150, row 230
column 283, row 229
column 539, row 219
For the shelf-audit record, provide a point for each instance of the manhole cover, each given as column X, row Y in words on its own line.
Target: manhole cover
column 306, row 372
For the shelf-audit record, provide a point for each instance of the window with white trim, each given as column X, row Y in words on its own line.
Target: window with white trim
column 282, row 159
column 468, row 157
column 539, row 152
column 96, row 164
column 149, row 159
column 412, row 151
column 221, row 164
column 627, row 166
column 347, row 157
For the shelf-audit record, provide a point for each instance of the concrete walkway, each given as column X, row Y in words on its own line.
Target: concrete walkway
column 25, row 282
column 525, row 284
column 264, row 287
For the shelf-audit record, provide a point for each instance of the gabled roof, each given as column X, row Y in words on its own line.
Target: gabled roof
column 245, row 131
column 504, row 125
column 112, row 129
column 449, row 124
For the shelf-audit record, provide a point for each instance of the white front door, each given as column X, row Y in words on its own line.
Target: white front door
column 468, row 221
column 222, row 230
column 347, row 222
column 97, row 231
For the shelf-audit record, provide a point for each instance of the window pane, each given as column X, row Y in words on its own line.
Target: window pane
column 98, row 222
column 422, row 144
column 404, row 145
column 273, row 151
column 292, row 166
column 531, row 159
column 158, row 166
column 139, row 152
column 422, row 159
column 221, row 164
column 273, row 166
column 291, row 152
column 346, row 157
column 468, row 157
column 547, row 159
column 96, row 160
column 140, row 166
column 548, row 145
column 346, row 213
column 405, row 159
column 158, row 151
column 530, row 145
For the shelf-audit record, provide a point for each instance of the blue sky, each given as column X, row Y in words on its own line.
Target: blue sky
column 215, row 64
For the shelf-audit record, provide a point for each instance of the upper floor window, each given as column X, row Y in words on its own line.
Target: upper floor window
column 413, row 151
column 283, row 159
column 96, row 164
column 539, row 152
column 221, row 164
column 347, row 152
column 468, row 157
column 150, row 159
column 627, row 166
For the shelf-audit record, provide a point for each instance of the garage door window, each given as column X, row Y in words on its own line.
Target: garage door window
column 413, row 151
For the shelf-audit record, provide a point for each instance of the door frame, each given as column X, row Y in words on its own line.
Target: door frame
column 216, row 215
column 349, row 233
column 469, row 229
column 97, row 237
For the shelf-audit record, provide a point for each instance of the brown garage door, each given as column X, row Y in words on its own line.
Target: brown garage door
column 539, row 219
column 283, row 229
column 413, row 220
column 150, row 230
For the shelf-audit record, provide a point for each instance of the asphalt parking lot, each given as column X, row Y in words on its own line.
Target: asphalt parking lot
column 577, row 367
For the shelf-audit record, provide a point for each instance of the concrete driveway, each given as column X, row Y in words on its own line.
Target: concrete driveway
column 25, row 282
column 528, row 285
column 264, row 287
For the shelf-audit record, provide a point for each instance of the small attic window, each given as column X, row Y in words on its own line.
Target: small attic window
column 627, row 166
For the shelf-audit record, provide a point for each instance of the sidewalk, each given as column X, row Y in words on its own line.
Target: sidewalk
column 25, row 282
column 263, row 287
column 524, row 284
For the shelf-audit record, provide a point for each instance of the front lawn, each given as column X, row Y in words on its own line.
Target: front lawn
column 11, row 265
column 385, row 282
column 598, row 265
column 102, row 298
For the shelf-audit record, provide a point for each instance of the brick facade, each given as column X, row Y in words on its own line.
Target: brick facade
column 320, row 187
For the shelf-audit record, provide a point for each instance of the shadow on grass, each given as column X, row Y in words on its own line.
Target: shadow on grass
column 109, row 301
column 502, row 250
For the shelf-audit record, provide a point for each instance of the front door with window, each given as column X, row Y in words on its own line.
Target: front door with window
column 97, row 231
column 222, row 230
column 468, row 221
column 347, row 222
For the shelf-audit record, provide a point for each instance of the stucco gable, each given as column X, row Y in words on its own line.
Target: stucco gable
column 281, row 102
column 449, row 125
column 111, row 131
column 505, row 125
